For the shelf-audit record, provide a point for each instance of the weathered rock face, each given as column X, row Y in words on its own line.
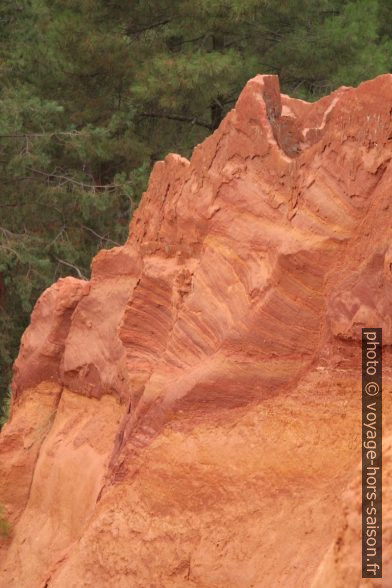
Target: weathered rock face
column 191, row 415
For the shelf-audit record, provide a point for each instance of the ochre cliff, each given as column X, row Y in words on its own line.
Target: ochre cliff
column 191, row 415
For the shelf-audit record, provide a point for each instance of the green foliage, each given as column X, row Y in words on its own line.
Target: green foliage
column 5, row 406
column 94, row 91
column 5, row 528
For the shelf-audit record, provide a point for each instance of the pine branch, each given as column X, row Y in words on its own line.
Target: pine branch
column 100, row 236
column 178, row 117
column 43, row 134
column 71, row 265
column 11, row 250
column 202, row 37
column 148, row 27
column 67, row 179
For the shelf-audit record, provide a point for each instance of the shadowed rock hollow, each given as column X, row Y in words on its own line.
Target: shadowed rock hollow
column 191, row 415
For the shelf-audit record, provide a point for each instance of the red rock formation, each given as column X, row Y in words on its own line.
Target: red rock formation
column 191, row 415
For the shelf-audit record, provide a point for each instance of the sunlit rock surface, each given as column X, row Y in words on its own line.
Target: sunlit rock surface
column 191, row 415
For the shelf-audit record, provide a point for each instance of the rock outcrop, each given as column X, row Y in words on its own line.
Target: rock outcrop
column 191, row 415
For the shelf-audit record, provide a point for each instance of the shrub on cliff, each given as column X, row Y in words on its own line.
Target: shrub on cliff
column 5, row 528
column 5, row 408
